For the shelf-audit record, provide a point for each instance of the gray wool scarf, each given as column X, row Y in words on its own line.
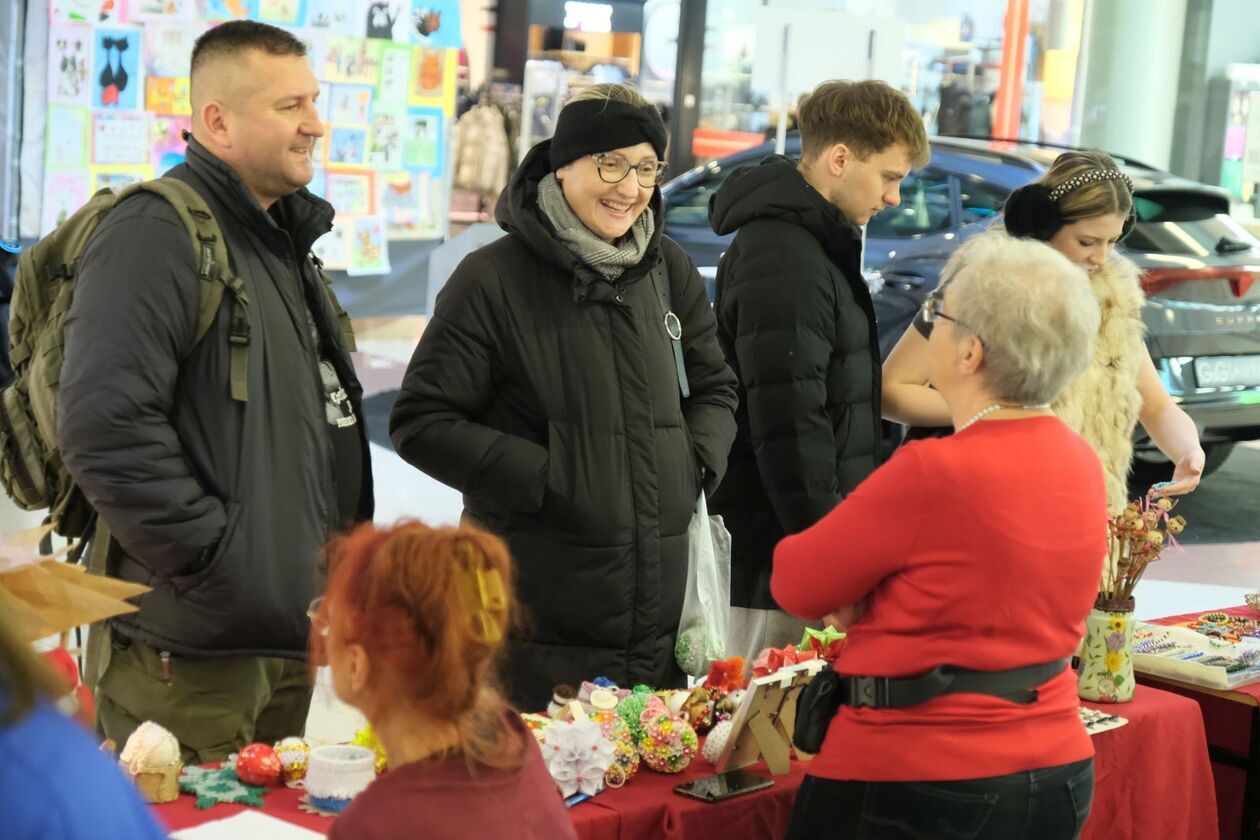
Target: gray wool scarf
column 604, row 260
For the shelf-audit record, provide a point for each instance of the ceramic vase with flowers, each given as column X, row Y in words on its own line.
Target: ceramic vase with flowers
column 1135, row 540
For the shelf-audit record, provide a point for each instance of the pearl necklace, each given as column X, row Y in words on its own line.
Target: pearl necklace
column 987, row 410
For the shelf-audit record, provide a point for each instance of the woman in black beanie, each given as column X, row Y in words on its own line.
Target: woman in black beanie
column 547, row 389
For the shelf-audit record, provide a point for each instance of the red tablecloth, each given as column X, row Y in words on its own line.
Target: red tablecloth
column 1154, row 781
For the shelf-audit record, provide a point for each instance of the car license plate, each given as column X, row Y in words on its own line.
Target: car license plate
column 1227, row 371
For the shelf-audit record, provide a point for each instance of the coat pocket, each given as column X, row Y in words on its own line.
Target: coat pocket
column 193, row 578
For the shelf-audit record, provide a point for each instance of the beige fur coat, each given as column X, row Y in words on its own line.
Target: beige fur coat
column 1103, row 403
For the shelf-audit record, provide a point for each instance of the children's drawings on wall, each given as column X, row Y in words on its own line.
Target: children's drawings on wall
column 350, row 104
column 118, row 76
column 64, row 193
column 69, row 64
column 368, row 251
column 346, row 145
column 66, row 146
column 118, row 94
column 167, row 146
column 120, row 137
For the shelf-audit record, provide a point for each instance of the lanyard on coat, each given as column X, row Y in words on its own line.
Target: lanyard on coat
column 673, row 327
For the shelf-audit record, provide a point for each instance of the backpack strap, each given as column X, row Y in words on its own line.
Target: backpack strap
column 214, row 267
column 343, row 317
column 673, row 326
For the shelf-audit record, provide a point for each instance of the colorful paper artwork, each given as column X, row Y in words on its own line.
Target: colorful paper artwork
column 333, row 248
column 422, row 136
column 164, row 95
column 413, row 204
column 229, row 9
column 69, row 64
column 118, row 77
column 167, row 146
column 385, row 140
column 334, row 15
column 435, row 23
column 355, row 60
column 352, row 193
column 117, row 177
column 64, row 193
column 369, row 252
column 395, row 78
column 66, row 146
column 388, row 20
column 346, row 145
column 350, row 104
column 160, row 10
column 168, row 47
column 120, row 137
column 282, row 12
column 432, row 78
column 84, row 11
column 118, row 105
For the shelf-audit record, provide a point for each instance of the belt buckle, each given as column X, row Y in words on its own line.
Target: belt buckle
column 868, row 692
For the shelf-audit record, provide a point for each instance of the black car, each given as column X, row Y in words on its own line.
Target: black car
column 1199, row 269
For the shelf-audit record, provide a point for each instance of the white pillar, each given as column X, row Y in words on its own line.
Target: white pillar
column 1132, row 64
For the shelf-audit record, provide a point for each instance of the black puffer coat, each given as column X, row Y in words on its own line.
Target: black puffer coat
column 796, row 321
column 552, row 403
column 150, row 432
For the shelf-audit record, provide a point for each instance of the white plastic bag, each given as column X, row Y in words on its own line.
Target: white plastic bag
column 702, row 628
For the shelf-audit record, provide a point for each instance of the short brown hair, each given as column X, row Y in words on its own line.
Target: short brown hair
column 867, row 116
column 237, row 36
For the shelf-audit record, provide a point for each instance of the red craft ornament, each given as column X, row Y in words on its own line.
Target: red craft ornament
column 258, row 764
column 727, row 675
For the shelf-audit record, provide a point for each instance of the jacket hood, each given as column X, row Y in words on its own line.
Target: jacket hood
column 303, row 215
column 775, row 189
column 517, row 212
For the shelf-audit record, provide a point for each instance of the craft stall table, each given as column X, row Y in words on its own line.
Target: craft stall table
column 1153, row 780
column 1232, row 723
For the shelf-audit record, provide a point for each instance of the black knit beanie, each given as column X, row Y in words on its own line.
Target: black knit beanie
column 590, row 126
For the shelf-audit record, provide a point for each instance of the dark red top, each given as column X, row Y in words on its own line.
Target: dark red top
column 983, row 550
column 438, row 800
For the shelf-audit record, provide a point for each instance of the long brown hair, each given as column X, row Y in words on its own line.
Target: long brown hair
column 403, row 593
column 1096, row 198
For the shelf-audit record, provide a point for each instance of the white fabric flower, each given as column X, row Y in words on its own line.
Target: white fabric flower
column 577, row 755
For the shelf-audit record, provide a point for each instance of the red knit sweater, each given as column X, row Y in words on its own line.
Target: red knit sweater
column 982, row 550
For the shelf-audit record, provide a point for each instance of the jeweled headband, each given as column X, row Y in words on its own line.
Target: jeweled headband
column 1090, row 177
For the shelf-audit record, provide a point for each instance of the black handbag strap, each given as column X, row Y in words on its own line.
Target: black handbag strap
column 673, row 326
column 1018, row 685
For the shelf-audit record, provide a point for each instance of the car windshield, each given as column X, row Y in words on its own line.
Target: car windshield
column 1186, row 224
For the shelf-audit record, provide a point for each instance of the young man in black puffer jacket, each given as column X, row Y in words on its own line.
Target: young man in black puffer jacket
column 796, row 321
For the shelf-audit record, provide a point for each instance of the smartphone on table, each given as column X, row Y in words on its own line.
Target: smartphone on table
column 722, row 786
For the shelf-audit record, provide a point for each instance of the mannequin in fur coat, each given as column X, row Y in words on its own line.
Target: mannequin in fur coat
column 1081, row 207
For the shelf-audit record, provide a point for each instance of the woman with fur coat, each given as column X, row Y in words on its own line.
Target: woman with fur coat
column 1082, row 206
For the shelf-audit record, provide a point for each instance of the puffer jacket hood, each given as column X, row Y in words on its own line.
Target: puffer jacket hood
column 517, row 212
column 775, row 189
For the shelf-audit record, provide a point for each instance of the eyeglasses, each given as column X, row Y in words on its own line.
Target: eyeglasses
column 932, row 310
column 613, row 170
column 315, row 613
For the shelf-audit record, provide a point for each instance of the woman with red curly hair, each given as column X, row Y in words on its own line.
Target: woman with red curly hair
column 410, row 624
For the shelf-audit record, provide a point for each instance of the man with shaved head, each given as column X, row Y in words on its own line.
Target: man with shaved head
column 219, row 474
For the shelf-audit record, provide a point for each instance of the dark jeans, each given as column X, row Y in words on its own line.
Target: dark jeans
column 1047, row 804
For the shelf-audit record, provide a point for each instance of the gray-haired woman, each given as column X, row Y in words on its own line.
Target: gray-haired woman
column 964, row 569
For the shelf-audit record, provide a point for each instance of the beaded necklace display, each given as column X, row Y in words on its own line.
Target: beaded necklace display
column 987, row 410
